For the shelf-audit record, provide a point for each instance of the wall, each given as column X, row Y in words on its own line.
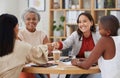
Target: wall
column 16, row 7
column 7, row 6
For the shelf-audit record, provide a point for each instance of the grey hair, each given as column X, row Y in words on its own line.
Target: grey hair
column 30, row 10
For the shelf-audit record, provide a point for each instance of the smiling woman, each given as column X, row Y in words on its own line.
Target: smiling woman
column 84, row 39
column 30, row 34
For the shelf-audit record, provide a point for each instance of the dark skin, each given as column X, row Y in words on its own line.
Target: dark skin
column 105, row 48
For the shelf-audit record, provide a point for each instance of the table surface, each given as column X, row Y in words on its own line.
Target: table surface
column 61, row 68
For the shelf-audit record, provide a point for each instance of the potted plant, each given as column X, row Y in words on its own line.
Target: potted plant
column 58, row 29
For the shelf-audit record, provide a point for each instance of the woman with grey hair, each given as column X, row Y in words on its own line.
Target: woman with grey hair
column 30, row 34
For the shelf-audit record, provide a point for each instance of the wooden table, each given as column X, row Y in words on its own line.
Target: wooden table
column 61, row 68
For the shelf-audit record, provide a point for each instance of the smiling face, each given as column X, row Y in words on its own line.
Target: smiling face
column 31, row 21
column 84, row 24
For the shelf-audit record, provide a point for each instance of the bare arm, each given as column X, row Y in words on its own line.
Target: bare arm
column 98, row 51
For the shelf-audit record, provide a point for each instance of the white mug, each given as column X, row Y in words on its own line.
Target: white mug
column 87, row 53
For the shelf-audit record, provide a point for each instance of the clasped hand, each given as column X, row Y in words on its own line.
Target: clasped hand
column 52, row 46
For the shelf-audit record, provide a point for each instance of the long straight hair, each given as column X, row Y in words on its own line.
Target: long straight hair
column 7, row 34
column 93, row 27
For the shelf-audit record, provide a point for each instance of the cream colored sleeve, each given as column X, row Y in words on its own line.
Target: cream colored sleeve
column 38, row 55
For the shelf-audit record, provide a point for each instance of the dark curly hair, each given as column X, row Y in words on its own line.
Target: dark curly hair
column 111, row 23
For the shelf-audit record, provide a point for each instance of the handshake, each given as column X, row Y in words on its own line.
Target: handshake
column 53, row 46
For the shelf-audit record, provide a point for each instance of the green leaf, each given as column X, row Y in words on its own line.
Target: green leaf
column 54, row 27
column 62, row 18
column 60, row 26
column 54, row 22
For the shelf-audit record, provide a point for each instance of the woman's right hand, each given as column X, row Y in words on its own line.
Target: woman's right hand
column 52, row 46
column 55, row 45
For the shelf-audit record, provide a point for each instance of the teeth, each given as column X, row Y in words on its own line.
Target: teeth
column 31, row 24
column 83, row 28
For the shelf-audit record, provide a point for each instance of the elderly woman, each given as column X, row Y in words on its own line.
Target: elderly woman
column 30, row 34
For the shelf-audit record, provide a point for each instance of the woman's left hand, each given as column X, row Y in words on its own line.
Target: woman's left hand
column 74, row 62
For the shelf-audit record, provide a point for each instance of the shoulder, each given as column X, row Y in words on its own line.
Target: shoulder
column 75, row 33
column 103, row 44
column 73, row 37
column 105, row 40
column 102, row 39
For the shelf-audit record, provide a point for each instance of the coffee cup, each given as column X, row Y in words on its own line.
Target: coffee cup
column 56, row 55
